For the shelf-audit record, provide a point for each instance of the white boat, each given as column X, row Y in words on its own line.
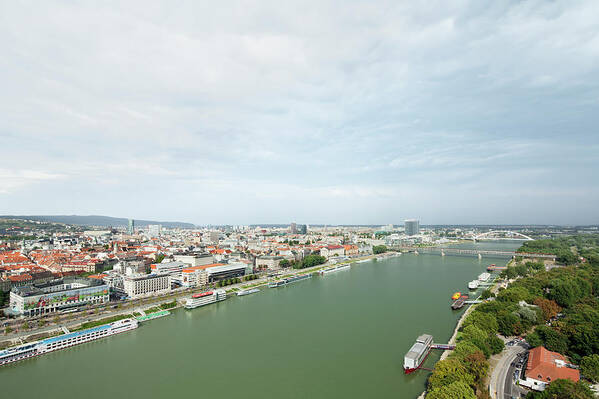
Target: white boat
column 484, row 277
column 205, row 298
column 334, row 269
column 363, row 260
column 473, row 284
column 65, row 341
column 247, row 292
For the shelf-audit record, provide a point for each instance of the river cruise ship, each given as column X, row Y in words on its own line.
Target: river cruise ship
column 205, row 298
column 334, row 269
column 37, row 348
column 289, row 280
column 484, row 277
column 473, row 284
column 247, row 292
column 417, row 353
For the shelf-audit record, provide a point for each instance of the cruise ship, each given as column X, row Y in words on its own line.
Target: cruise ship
column 334, row 269
column 417, row 353
column 247, row 292
column 473, row 284
column 205, row 298
column 289, row 280
column 47, row 345
column 484, row 277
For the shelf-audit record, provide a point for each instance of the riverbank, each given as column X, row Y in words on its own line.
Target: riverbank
column 454, row 336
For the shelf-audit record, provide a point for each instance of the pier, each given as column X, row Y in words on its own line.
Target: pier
column 418, row 353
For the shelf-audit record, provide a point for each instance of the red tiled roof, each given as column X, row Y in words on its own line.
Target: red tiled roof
column 541, row 366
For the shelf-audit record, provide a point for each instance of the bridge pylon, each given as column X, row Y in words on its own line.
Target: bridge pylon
column 480, row 256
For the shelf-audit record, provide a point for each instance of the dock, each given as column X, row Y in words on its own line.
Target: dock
column 152, row 316
column 418, row 353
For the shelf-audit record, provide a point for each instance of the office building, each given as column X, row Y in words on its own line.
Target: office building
column 412, row 227
column 154, row 230
column 57, row 295
column 293, row 228
column 143, row 285
column 131, row 228
column 302, row 229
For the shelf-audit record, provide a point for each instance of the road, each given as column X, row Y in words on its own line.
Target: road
column 501, row 384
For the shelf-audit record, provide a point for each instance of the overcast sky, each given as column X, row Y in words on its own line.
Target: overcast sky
column 333, row 112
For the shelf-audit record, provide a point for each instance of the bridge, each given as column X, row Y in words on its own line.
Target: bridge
column 502, row 235
column 476, row 252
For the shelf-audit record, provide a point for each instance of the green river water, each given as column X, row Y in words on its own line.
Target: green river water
column 342, row 335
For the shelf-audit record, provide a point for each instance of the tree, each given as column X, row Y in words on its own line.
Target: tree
column 549, row 307
column 589, row 366
column 564, row 292
column 379, row 249
column 486, row 294
column 284, row 263
column 566, row 389
column 496, row 344
column 455, row 390
column 485, row 321
column 447, row 372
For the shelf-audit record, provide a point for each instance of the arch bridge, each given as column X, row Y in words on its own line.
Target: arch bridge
column 502, row 235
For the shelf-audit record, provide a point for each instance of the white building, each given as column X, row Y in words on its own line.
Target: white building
column 154, row 230
column 195, row 260
column 144, row 285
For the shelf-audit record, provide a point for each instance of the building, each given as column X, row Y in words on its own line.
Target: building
column 544, row 366
column 131, row 228
column 332, row 250
column 302, row 229
column 143, row 285
column 412, row 227
column 168, row 267
column 56, row 295
column 268, row 262
column 154, row 230
column 195, row 260
column 203, row 275
column 293, row 228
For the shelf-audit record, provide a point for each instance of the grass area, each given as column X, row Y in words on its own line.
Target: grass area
column 164, row 306
column 100, row 322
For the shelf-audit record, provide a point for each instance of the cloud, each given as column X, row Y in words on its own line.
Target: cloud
column 233, row 108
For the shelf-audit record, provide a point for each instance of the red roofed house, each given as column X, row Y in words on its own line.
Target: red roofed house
column 545, row 366
column 332, row 250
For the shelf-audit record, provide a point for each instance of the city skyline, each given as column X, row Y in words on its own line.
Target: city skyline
column 357, row 113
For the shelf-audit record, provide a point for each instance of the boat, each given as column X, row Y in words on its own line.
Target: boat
column 288, row 280
column 52, row 344
column 473, row 284
column 363, row 260
column 334, row 269
column 417, row 353
column 484, row 277
column 205, row 298
column 247, row 292
column 459, row 303
column 456, row 295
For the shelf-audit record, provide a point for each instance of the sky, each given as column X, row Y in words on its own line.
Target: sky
column 336, row 112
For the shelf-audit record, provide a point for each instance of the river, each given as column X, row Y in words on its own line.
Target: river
column 342, row 335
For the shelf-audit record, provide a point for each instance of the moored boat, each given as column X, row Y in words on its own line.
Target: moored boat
column 38, row 348
column 247, row 292
column 205, row 298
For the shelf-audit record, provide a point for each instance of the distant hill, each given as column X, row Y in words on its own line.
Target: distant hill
column 96, row 220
